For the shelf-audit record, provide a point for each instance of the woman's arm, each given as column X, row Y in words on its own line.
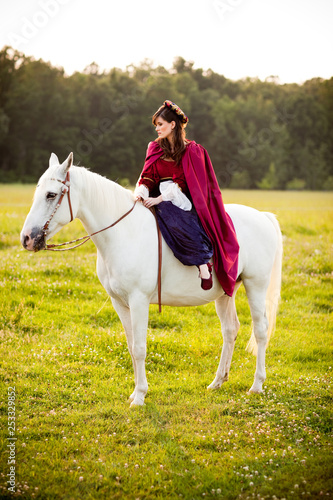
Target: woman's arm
column 147, row 181
column 150, row 202
column 172, row 192
column 141, row 193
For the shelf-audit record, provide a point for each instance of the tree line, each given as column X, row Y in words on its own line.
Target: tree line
column 258, row 134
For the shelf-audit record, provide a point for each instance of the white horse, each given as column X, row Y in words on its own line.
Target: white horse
column 127, row 263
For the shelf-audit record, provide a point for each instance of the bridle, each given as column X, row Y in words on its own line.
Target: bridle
column 65, row 189
column 84, row 239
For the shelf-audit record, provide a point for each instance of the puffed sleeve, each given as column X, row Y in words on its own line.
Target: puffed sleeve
column 171, row 192
column 141, row 191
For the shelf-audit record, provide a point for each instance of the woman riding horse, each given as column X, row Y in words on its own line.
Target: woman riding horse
column 179, row 180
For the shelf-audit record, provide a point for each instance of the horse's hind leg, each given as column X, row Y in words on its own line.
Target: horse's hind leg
column 226, row 310
column 256, row 293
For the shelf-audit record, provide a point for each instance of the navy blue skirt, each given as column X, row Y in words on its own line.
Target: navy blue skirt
column 184, row 234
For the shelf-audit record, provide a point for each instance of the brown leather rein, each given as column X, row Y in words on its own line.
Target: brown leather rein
column 84, row 239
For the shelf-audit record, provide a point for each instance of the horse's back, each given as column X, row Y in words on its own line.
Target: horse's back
column 257, row 236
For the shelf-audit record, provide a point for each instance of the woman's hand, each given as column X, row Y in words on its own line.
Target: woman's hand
column 150, row 202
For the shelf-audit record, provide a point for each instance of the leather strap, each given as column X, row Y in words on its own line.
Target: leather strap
column 159, row 274
column 159, row 279
column 68, row 195
column 66, row 182
column 65, row 189
column 84, row 239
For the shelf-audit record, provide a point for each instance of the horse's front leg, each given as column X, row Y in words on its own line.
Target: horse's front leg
column 123, row 312
column 139, row 310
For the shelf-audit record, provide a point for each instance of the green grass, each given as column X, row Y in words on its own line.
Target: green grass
column 64, row 351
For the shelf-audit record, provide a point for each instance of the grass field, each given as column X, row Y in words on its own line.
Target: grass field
column 64, row 359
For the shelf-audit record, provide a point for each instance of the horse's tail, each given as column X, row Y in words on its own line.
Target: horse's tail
column 274, row 288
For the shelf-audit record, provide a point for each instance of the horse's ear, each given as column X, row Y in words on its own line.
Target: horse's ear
column 53, row 160
column 68, row 163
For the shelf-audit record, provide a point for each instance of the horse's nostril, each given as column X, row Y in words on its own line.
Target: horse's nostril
column 26, row 240
column 33, row 239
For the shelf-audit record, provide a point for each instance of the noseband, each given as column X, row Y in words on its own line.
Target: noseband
column 65, row 189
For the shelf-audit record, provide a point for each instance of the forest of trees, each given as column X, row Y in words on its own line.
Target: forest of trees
column 258, row 134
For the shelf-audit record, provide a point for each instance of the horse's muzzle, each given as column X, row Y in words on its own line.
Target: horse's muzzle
column 34, row 241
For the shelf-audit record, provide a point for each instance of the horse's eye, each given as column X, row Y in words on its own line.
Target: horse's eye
column 51, row 196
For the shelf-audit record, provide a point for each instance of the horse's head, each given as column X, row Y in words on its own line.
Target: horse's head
column 46, row 216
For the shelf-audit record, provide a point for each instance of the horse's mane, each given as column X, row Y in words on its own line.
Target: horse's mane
column 103, row 192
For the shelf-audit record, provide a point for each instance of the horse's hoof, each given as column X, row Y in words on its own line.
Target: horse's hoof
column 136, row 405
column 213, row 386
column 255, row 390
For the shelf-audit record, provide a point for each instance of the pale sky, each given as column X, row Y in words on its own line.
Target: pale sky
column 291, row 39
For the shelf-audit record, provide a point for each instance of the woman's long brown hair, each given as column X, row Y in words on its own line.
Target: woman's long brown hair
column 178, row 135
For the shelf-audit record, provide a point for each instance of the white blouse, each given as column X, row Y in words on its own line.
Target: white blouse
column 170, row 191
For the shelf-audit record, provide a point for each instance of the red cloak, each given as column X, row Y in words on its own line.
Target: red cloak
column 207, row 200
